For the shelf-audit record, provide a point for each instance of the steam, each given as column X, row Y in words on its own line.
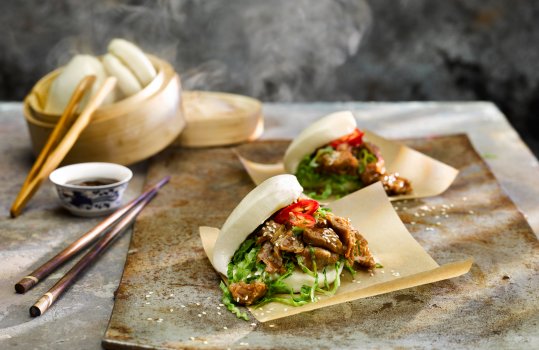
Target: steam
column 277, row 50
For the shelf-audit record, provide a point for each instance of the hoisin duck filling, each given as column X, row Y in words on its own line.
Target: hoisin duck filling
column 346, row 165
column 302, row 236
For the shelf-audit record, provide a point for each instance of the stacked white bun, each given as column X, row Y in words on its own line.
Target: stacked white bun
column 124, row 60
column 262, row 202
column 63, row 86
column 321, row 132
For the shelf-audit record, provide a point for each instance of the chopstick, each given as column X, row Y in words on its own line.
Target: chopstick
column 28, row 282
column 63, row 123
column 46, row 301
column 63, row 143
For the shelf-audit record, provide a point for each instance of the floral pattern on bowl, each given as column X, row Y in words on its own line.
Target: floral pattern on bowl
column 96, row 201
column 91, row 200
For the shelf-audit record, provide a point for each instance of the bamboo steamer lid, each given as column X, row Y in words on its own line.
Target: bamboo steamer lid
column 217, row 119
column 125, row 132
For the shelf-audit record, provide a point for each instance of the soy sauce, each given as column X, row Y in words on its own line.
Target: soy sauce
column 93, row 182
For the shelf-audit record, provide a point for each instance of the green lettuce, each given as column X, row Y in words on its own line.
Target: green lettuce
column 319, row 185
column 244, row 267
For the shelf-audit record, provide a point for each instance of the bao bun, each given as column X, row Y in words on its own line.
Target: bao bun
column 316, row 135
column 125, row 61
column 267, row 198
column 63, row 86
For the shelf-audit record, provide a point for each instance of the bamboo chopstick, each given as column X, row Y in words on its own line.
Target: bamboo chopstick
column 63, row 124
column 56, row 156
column 46, row 301
column 28, row 282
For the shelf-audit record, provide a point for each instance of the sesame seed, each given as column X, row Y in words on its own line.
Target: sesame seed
column 171, row 310
column 437, row 217
column 253, row 324
column 160, row 320
column 205, row 342
column 150, row 319
column 244, row 344
column 272, row 325
column 197, row 304
column 171, row 295
column 438, row 223
column 471, row 212
column 225, row 327
column 218, row 313
column 203, row 312
column 412, row 222
column 416, row 214
column 150, row 292
column 147, row 295
column 382, row 271
column 182, row 305
column 446, row 216
column 404, row 208
column 218, row 308
column 464, row 198
column 192, row 338
column 422, row 214
column 147, row 303
column 199, row 315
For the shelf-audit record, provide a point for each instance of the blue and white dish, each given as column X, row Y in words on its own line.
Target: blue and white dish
column 83, row 191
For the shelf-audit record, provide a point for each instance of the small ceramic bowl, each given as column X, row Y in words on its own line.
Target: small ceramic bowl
column 91, row 189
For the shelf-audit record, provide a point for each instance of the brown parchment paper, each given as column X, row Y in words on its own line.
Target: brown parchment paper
column 405, row 263
column 429, row 177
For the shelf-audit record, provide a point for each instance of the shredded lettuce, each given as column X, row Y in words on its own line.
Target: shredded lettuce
column 321, row 186
column 365, row 157
column 245, row 267
column 321, row 213
column 228, row 302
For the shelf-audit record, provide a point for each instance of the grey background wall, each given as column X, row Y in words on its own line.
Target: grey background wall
column 302, row 50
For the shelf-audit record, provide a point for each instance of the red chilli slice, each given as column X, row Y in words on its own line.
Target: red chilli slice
column 302, row 220
column 304, row 206
column 353, row 139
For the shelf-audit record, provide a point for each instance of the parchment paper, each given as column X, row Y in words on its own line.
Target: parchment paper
column 405, row 263
column 429, row 177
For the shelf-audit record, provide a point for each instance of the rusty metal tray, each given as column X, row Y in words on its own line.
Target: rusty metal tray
column 169, row 296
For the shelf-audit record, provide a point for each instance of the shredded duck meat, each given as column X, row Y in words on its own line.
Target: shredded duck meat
column 329, row 240
column 346, row 160
column 247, row 293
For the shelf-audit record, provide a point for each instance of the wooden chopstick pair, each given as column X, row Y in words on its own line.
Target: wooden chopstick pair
column 62, row 138
column 123, row 218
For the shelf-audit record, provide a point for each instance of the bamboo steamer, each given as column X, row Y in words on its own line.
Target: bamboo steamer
column 216, row 119
column 125, row 132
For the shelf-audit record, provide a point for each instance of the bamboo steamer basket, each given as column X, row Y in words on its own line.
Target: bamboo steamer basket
column 217, row 118
column 125, row 132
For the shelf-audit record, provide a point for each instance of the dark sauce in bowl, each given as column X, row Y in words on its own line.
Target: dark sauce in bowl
column 93, row 182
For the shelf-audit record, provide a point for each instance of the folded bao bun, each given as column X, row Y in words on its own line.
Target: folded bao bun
column 262, row 202
column 134, row 59
column 316, row 135
column 63, row 86
column 127, row 82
